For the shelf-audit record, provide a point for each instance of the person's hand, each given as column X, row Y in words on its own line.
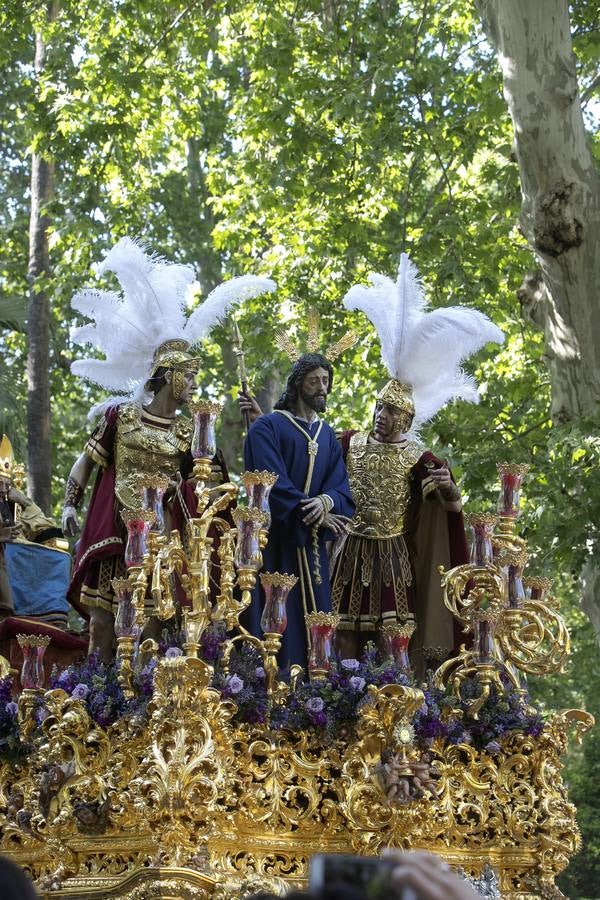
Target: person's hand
column 336, row 523
column 313, row 511
column 428, row 875
column 248, row 404
column 70, row 522
column 15, row 496
column 441, row 478
column 9, row 533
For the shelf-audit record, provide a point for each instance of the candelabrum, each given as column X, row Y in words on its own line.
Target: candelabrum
column 207, row 572
column 515, row 630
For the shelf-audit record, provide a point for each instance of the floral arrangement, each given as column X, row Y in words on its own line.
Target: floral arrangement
column 97, row 684
column 245, row 684
column 330, row 706
column 11, row 746
column 504, row 712
column 327, row 707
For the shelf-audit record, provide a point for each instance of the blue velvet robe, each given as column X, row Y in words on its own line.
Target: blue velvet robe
column 276, row 444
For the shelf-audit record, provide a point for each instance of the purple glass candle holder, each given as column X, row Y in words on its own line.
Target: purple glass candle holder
column 249, row 523
column 258, row 487
column 33, row 647
column 204, row 441
column 138, row 523
column 481, row 526
column 509, row 500
column 125, row 623
column 276, row 588
column 321, row 629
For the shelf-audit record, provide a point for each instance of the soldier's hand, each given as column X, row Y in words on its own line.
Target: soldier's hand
column 336, row 523
column 446, row 488
column 248, row 404
column 70, row 522
column 441, row 477
column 9, row 533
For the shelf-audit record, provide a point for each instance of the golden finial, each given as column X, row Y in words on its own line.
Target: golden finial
column 312, row 341
column 345, row 342
column 286, row 344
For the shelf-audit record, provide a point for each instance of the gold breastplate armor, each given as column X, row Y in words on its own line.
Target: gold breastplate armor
column 380, row 480
column 144, row 450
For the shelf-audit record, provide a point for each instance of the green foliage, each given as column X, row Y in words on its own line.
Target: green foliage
column 312, row 142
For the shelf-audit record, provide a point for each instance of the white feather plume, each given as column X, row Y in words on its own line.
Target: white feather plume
column 421, row 347
column 221, row 299
column 128, row 327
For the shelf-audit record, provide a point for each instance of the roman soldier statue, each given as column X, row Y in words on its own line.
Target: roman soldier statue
column 408, row 517
column 147, row 338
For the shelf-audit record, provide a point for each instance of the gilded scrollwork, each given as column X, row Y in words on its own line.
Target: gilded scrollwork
column 183, row 800
column 260, row 803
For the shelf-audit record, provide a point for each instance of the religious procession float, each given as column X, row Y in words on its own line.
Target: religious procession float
column 194, row 765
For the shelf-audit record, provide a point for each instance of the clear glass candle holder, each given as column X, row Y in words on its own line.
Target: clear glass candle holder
column 153, row 492
column 204, row 441
column 481, row 526
column 249, row 523
column 321, row 629
column 277, row 588
column 125, row 624
column 537, row 587
column 33, row 647
column 396, row 640
column 484, row 624
column 509, row 499
column 138, row 523
column 258, row 487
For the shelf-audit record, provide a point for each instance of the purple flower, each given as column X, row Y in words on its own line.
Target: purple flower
column 314, row 705
column 260, row 672
column 493, row 747
column 80, row 691
column 320, row 719
column 173, row 653
column 233, row 684
column 357, row 683
column 351, row 664
column 12, row 708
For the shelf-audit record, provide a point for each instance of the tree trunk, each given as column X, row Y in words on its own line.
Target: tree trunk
column 39, row 461
column 560, row 213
